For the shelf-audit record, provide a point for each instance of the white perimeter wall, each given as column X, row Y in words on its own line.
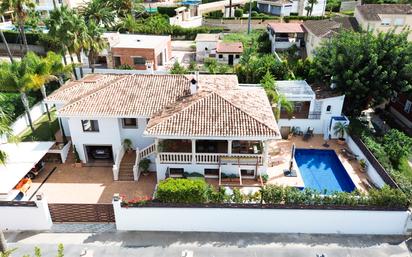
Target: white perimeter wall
column 26, row 218
column 372, row 173
column 261, row 220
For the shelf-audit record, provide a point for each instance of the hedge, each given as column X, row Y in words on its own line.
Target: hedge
column 167, row 10
column 186, row 191
column 13, row 37
column 304, row 18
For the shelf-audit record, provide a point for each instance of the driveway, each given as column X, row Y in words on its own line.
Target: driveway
column 63, row 183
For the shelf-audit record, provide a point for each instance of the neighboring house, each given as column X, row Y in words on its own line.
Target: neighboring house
column 139, row 51
column 384, row 17
column 318, row 31
column 401, row 107
column 284, row 35
column 185, row 19
column 183, row 123
column 206, row 46
column 229, row 52
column 288, row 7
column 313, row 107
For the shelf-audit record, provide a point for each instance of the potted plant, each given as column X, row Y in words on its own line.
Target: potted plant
column 265, row 178
column 363, row 164
column 78, row 162
column 340, row 129
column 144, row 165
column 127, row 144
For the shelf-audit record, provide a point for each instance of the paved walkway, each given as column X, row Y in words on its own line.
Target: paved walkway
column 172, row 244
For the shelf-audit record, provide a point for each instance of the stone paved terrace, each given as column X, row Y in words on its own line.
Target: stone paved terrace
column 68, row 184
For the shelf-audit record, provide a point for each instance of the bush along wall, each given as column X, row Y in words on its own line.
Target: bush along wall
column 187, row 192
column 305, row 18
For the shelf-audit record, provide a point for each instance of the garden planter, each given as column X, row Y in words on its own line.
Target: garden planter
column 341, row 141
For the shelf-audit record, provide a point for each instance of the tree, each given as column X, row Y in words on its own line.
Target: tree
column 95, row 44
column 178, row 69
column 100, row 11
column 21, row 8
column 309, row 7
column 17, row 77
column 397, row 146
column 368, row 69
column 5, row 130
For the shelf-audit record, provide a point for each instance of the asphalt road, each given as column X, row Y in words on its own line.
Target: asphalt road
column 171, row 244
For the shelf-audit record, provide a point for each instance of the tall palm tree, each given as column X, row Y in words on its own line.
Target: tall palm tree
column 102, row 12
column 16, row 77
column 20, row 7
column 5, row 130
column 3, row 38
column 96, row 43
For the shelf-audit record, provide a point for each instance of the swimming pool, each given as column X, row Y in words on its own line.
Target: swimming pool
column 322, row 170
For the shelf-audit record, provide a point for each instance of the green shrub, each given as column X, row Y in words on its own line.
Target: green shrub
column 237, row 196
column 217, row 196
column 215, row 14
column 13, row 37
column 387, row 197
column 304, row 18
column 167, row 10
column 238, row 13
column 125, row 67
column 192, row 175
column 397, row 145
column 182, row 191
column 272, row 194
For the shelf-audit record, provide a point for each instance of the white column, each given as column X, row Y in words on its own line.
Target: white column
column 229, row 147
column 193, row 151
column 265, row 152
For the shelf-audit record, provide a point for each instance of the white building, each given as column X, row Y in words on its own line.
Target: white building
column 210, row 46
column 229, row 52
column 313, row 107
column 206, row 46
column 284, row 35
column 205, row 123
column 287, row 7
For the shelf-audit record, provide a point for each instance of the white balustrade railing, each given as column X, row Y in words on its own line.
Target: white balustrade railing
column 118, row 158
column 136, row 170
column 175, row 157
column 211, row 158
column 145, row 152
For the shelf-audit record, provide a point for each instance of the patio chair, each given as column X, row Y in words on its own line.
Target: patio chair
column 297, row 131
column 349, row 154
column 308, row 134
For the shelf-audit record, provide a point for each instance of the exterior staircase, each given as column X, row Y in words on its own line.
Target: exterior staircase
column 126, row 166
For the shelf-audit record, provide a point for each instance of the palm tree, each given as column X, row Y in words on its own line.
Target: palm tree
column 20, row 7
column 309, row 7
column 100, row 11
column 7, row 45
column 5, row 130
column 16, row 77
column 96, row 43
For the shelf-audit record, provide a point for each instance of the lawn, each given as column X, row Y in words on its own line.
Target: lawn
column 44, row 129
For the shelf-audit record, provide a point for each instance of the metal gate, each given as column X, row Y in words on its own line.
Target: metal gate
column 68, row 212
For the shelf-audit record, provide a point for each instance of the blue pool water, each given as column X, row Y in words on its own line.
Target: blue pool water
column 322, row 170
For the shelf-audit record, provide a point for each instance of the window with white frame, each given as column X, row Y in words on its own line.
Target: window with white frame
column 139, row 60
column 129, row 123
column 408, row 106
column 386, row 21
column 90, row 125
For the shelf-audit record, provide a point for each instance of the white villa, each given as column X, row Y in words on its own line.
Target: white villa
column 183, row 123
column 314, row 107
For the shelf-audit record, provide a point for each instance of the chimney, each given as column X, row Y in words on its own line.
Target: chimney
column 193, row 86
column 149, row 67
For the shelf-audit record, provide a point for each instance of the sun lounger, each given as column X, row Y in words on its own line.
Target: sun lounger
column 349, row 154
column 308, row 134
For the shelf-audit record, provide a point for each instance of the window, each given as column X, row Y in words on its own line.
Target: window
column 237, row 56
column 328, row 108
column 220, row 56
column 139, row 60
column 399, row 22
column 386, row 21
column 408, row 106
column 90, row 126
column 117, row 61
column 129, row 123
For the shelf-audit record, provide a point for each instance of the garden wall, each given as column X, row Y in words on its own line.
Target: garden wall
column 25, row 215
column 260, row 220
column 375, row 171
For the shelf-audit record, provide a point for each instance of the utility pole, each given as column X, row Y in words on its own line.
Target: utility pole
column 249, row 18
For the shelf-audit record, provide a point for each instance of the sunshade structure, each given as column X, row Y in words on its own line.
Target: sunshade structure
column 21, row 158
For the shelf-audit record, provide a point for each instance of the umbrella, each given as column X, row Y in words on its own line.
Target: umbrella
column 292, row 157
column 326, row 136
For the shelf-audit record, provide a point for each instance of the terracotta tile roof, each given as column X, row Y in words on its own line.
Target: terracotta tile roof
column 229, row 47
column 73, row 90
column 328, row 27
column 241, row 112
column 371, row 12
column 131, row 96
column 287, row 27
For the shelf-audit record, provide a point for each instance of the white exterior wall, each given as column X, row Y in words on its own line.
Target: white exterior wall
column 261, row 220
column 336, row 104
column 312, row 42
column 136, row 134
column 372, row 173
column 26, row 218
column 201, row 53
column 109, row 134
column 225, row 59
column 64, row 122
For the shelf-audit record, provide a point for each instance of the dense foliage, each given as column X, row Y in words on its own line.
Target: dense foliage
column 367, row 68
column 196, row 191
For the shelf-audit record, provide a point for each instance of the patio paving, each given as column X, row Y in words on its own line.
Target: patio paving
column 68, row 184
column 316, row 142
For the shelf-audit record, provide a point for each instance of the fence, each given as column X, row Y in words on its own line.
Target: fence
column 69, row 212
column 375, row 171
column 30, row 215
column 261, row 220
